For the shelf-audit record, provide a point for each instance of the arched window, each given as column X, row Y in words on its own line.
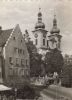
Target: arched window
column 47, row 43
column 36, row 42
column 43, row 41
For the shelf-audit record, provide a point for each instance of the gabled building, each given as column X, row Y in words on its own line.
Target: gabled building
column 15, row 56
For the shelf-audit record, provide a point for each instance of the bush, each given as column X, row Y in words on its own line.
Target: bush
column 27, row 92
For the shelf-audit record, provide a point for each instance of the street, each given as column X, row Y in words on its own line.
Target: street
column 56, row 93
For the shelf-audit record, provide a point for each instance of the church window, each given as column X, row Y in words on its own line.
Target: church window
column 47, row 43
column 36, row 41
column 43, row 41
column 13, row 38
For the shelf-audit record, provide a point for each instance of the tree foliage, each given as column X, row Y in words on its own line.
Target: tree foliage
column 54, row 61
column 35, row 59
column 66, row 76
column 27, row 92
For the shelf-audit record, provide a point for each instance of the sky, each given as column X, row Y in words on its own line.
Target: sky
column 24, row 13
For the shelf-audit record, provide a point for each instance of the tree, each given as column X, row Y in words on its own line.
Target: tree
column 54, row 61
column 66, row 76
column 28, row 92
column 35, row 58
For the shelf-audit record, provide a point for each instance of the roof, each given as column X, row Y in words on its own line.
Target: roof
column 4, row 35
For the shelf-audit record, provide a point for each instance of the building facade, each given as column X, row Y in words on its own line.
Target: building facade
column 16, row 57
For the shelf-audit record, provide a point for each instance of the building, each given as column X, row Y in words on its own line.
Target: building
column 40, row 35
column 16, row 58
column 43, row 41
column 68, row 59
column 55, row 37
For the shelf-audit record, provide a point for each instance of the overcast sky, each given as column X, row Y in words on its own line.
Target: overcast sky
column 24, row 13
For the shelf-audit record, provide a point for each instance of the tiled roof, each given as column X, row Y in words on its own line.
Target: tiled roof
column 4, row 35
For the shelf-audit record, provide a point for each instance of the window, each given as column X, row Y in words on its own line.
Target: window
column 47, row 43
column 36, row 42
column 13, row 38
column 21, row 72
column 15, row 50
column 17, row 62
column 16, row 71
column 26, row 72
column 20, row 51
column 22, row 61
column 21, row 41
column 10, row 71
column 26, row 62
column 10, row 60
column 0, row 75
column 43, row 41
column 23, row 51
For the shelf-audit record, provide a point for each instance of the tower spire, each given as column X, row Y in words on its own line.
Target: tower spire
column 40, row 24
column 54, row 21
column 39, row 16
column 55, row 28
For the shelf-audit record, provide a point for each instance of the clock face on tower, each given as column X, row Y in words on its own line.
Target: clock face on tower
column 36, row 35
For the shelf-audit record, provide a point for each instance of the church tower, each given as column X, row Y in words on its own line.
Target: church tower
column 40, row 34
column 55, row 37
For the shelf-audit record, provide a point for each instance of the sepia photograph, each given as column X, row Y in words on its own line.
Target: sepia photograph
column 35, row 49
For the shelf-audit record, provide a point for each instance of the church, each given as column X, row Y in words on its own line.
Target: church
column 44, row 40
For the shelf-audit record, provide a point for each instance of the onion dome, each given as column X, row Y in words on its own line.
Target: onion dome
column 39, row 24
column 55, row 29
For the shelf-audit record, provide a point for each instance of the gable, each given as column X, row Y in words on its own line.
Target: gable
column 16, row 40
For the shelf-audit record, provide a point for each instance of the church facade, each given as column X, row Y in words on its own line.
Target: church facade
column 44, row 40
